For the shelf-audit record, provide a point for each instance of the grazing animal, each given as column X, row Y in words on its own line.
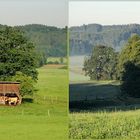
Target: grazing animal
column 2, row 101
column 13, row 101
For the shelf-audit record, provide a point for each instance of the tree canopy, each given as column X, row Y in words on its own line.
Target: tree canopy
column 17, row 54
column 129, row 67
column 101, row 65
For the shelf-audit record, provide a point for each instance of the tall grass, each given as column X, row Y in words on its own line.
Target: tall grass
column 104, row 125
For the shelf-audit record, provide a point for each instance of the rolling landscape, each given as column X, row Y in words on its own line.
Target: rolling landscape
column 98, row 109
column 33, row 70
column 44, row 107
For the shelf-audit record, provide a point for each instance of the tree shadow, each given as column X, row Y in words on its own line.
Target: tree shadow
column 130, row 85
column 99, row 97
column 27, row 100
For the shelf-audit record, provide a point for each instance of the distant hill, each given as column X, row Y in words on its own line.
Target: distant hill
column 84, row 38
column 49, row 40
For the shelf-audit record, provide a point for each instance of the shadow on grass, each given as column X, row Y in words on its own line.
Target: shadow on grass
column 99, row 97
column 27, row 100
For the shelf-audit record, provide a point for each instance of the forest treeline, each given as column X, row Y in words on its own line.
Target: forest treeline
column 84, row 38
column 49, row 41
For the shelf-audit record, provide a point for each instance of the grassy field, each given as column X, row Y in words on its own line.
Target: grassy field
column 45, row 118
column 98, row 112
column 93, row 90
column 105, row 125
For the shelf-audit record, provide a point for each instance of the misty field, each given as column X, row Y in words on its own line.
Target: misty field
column 43, row 118
column 75, row 69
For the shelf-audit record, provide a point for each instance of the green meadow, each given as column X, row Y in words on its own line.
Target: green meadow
column 45, row 118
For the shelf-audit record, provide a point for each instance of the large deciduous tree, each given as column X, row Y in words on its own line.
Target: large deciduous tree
column 101, row 65
column 16, row 54
column 129, row 67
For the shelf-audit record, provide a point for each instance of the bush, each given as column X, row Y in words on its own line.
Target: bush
column 26, row 84
column 51, row 62
column 131, row 80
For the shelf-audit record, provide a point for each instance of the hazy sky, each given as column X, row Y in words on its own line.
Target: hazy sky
column 103, row 12
column 20, row 12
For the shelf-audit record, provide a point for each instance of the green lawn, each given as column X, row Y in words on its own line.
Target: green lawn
column 45, row 118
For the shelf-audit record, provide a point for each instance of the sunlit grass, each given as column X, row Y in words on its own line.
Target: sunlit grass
column 105, row 125
column 46, row 117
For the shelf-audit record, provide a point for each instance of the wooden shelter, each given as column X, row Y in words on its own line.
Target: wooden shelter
column 10, row 93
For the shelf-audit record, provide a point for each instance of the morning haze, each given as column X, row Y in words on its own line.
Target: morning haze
column 103, row 12
column 47, row 12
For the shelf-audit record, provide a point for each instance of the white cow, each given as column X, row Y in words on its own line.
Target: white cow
column 12, row 100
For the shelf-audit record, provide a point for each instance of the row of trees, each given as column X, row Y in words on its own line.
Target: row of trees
column 106, row 64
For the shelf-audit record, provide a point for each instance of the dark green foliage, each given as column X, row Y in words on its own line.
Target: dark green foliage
column 131, row 80
column 53, row 62
column 42, row 59
column 84, row 38
column 129, row 67
column 26, row 84
column 61, row 60
column 16, row 54
column 101, row 65
column 131, row 52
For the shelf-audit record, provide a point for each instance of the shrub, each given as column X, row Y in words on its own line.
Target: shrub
column 26, row 84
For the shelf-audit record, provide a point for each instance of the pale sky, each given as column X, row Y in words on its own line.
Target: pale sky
column 103, row 12
column 21, row 12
